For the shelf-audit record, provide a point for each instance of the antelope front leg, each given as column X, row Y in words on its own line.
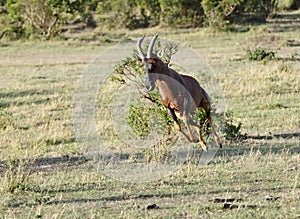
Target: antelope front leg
column 201, row 140
column 186, row 117
column 191, row 136
column 187, row 121
column 217, row 139
column 178, row 127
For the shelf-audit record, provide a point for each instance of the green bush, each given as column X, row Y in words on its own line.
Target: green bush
column 129, row 14
column 27, row 18
column 39, row 18
column 117, row 13
column 144, row 13
column 15, row 27
column 232, row 128
column 146, row 118
column 139, row 119
column 260, row 9
column 259, row 54
column 181, row 13
column 218, row 12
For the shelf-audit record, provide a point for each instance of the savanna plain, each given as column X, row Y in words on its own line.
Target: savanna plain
column 44, row 173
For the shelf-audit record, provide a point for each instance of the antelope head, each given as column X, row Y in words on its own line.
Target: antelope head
column 149, row 62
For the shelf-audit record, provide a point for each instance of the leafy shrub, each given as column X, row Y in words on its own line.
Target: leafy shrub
column 142, row 116
column 43, row 20
column 135, row 14
column 118, row 13
column 181, row 13
column 27, row 18
column 259, row 54
column 15, row 27
column 260, row 9
column 129, row 14
column 138, row 120
column 218, row 12
column 232, row 128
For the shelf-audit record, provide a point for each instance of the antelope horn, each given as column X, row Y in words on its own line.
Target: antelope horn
column 150, row 54
column 139, row 48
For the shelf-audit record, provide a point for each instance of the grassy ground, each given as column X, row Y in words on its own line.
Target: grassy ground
column 256, row 177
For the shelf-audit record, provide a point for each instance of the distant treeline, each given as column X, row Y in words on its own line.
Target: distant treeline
column 47, row 18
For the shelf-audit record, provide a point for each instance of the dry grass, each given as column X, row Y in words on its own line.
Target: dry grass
column 260, row 173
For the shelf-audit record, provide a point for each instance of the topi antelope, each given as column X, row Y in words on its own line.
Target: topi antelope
column 180, row 94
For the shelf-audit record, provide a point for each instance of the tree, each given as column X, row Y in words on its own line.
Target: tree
column 181, row 12
column 44, row 18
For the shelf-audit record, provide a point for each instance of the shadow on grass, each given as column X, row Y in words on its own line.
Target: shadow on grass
column 8, row 98
column 102, row 199
column 23, row 93
column 44, row 164
column 291, row 59
column 68, row 163
column 287, row 18
column 285, row 22
column 247, row 144
column 138, row 197
column 275, row 136
column 265, row 144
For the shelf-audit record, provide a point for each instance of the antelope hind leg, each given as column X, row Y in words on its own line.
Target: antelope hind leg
column 201, row 140
column 178, row 127
column 192, row 139
column 187, row 137
column 217, row 139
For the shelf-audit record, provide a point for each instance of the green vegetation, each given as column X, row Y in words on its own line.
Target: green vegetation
column 44, row 173
column 259, row 54
column 46, row 19
column 232, row 129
